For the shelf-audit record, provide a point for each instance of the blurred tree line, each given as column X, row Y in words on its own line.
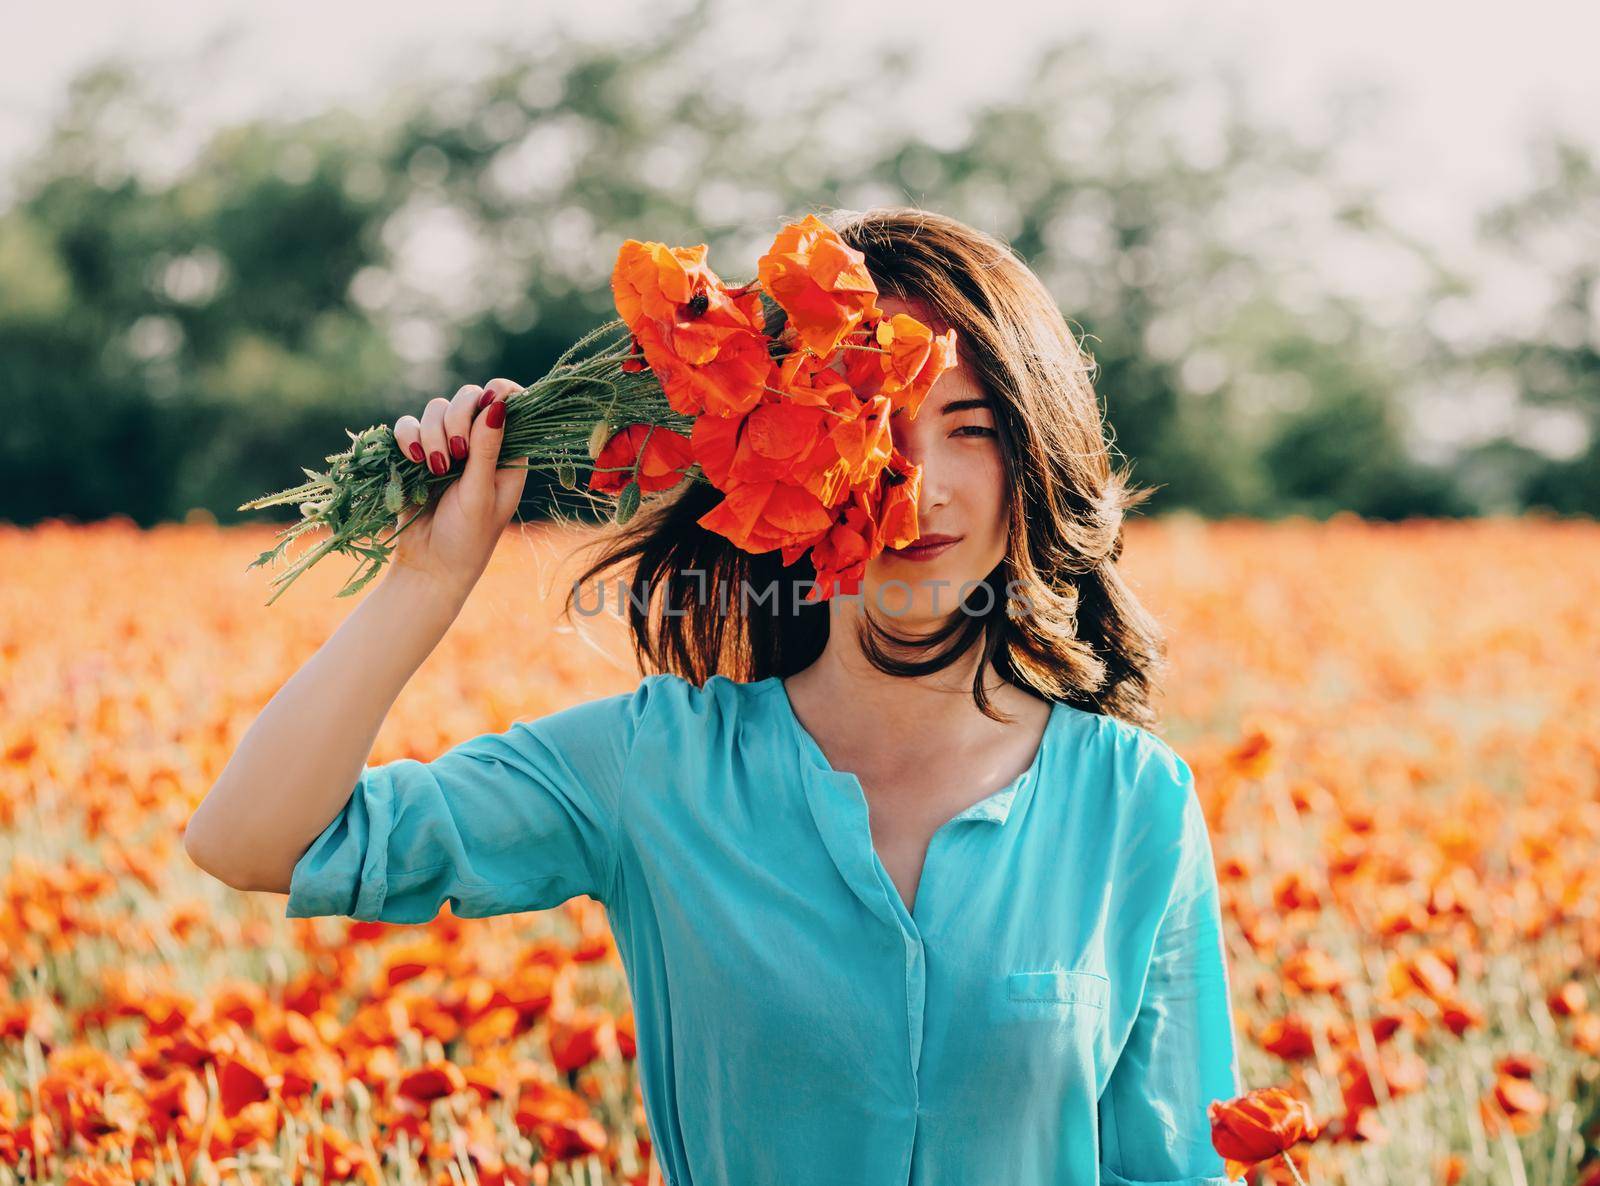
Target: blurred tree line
column 191, row 340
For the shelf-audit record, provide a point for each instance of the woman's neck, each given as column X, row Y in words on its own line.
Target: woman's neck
column 859, row 706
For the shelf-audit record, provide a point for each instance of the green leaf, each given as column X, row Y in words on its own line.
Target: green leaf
column 628, row 501
column 356, row 585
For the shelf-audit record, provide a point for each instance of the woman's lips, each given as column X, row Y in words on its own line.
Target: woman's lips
column 921, row 550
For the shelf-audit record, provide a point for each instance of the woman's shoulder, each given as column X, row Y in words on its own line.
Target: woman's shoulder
column 1153, row 812
column 1147, row 774
column 663, row 707
column 667, row 698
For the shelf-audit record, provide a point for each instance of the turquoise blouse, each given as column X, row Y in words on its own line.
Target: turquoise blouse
column 1053, row 1012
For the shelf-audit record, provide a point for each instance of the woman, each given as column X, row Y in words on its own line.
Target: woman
column 905, row 887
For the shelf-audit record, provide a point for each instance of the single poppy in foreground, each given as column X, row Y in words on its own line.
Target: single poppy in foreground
column 1258, row 1126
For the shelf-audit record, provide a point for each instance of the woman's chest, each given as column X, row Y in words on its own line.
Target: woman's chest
column 902, row 826
column 828, row 930
column 907, row 805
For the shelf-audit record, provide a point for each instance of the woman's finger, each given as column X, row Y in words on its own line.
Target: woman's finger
column 458, row 421
column 433, row 434
column 408, row 435
column 488, row 430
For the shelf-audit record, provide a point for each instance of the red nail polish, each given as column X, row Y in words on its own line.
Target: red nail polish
column 416, row 450
column 437, row 463
column 483, row 400
column 496, row 415
column 458, row 447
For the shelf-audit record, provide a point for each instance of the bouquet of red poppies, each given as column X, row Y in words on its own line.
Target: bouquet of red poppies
column 791, row 426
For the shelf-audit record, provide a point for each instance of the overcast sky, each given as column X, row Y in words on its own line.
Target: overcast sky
column 1467, row 81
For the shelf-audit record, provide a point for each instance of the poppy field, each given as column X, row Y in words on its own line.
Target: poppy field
column 1394, row 729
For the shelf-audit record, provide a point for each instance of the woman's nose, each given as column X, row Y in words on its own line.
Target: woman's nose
column 934, row 490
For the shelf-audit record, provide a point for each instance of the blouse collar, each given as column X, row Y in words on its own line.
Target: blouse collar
column 839, row 806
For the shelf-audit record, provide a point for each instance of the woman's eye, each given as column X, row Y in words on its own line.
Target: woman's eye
column 975, row 429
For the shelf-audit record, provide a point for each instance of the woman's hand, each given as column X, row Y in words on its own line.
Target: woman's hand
column 454, row 536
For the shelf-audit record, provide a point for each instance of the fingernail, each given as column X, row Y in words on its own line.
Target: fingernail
column 496, row 415
column 416, row 450
column 458, row 447
column 437, row 463
column 483, row 400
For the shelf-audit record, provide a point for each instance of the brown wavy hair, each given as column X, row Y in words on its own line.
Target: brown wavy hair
column 1062, row 622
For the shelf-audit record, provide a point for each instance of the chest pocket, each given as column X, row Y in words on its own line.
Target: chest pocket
column 1050, row 1025
column 1059, row 986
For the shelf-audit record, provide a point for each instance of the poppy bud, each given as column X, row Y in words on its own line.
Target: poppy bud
column 598, row 439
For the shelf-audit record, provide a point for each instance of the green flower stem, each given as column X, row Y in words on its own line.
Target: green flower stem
column 362, row 492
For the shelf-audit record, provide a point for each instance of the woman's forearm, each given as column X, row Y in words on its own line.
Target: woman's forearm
column 298, row 763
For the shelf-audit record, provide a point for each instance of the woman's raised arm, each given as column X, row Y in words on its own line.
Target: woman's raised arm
column 293, row 770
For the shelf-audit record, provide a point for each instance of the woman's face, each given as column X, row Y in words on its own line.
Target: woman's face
column 962, row 500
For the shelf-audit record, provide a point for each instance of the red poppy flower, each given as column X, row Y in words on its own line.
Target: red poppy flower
column 761, row 516
column 1259, row 1125
column 820, row 282
column 717, row 370
column 666, row 456
column 703, row 341
column 912, row 360
column 882, row 515
column 651, row 281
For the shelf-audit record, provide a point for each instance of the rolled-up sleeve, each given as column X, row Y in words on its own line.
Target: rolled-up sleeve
column 1180, row 1053
column 501, row 823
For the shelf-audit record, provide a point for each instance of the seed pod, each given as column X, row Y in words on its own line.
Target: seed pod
column 598, row 438
column 567, row 474
column 393, row 492
column 628, row 502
